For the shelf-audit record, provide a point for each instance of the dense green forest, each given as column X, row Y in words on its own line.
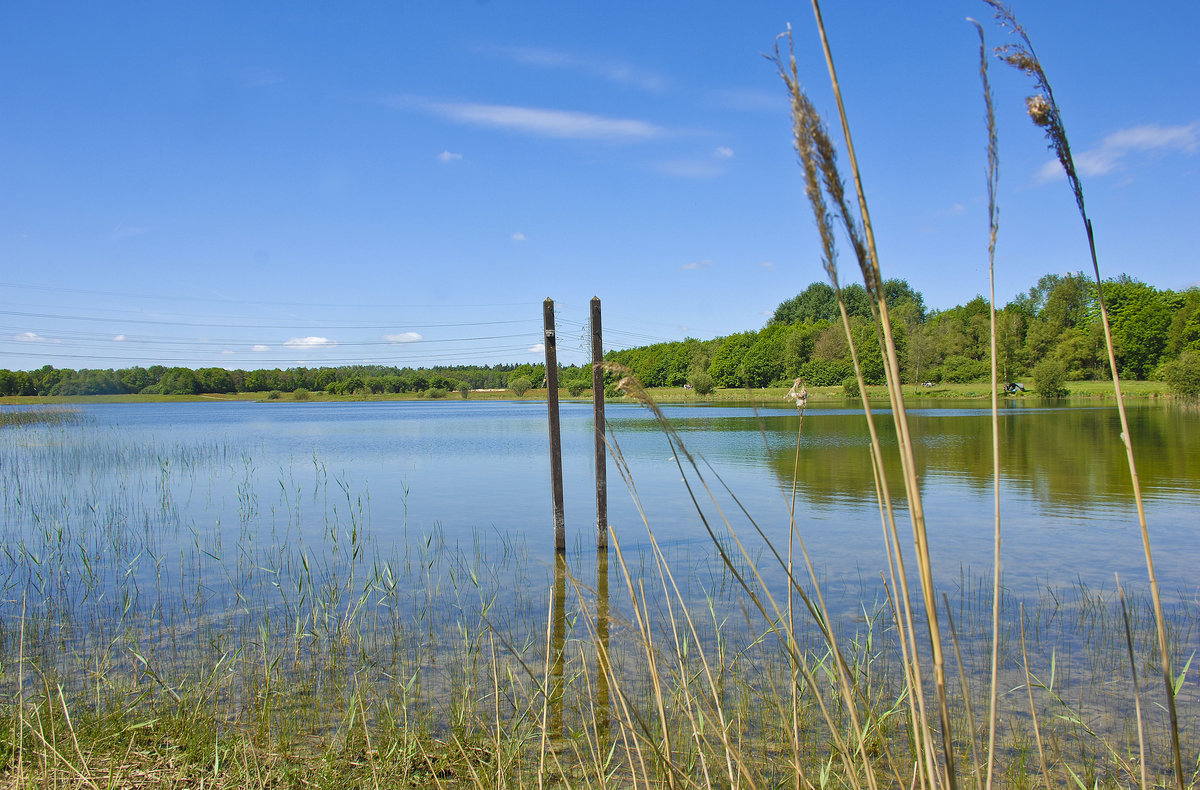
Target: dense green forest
column 1051, row 333
column 353, row 379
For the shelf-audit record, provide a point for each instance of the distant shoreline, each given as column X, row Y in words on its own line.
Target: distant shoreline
column 1093, row 390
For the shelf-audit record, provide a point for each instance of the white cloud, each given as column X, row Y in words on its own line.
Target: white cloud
column 612, row 70
column 34, row 337
column 723, row 152
column 447, row 156
column 704, row 264
column 561, row 124
column 537, row 348
column 119, row 339
column 767, row 264
column 403, row 337
column 310, row 342
column 260, row 347
column 1114, row 149
column 518, row 236
column 1049, row 172
column 226, row 352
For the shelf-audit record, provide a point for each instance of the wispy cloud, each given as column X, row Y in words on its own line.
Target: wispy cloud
column 310, row 342
column 260, row 347
column 723, row 152
column 768, row 265
column 518, row 236
column 119, row 339
column 536, row 348
column 447, row 156
column 610, row 69
column 225, row 352
column 694, row 265
column 538, row 121
column 403, row 337
column 34, row 337
column 1114, row 149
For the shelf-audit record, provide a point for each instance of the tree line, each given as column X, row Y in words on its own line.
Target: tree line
column 1051, row 333
column 352, row 379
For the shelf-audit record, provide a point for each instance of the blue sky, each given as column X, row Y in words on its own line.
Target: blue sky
column 275, row 184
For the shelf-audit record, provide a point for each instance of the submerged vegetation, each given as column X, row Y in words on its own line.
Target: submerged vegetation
column 299, row 641
column 284, row 647
column 13, row 417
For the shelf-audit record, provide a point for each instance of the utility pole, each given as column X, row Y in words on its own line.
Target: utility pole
column 598, row 423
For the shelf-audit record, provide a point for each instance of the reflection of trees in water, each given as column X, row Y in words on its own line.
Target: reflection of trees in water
column 1062, row 457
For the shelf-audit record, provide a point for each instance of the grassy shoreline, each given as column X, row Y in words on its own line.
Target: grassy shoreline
column 1092, row 390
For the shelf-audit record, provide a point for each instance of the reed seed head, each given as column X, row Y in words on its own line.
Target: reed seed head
column 1041, row 106
column 1019, row 58
column 808, row 132
column 1040, row 110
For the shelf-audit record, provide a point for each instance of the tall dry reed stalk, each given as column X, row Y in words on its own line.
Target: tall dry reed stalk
column 993, row 177
column 1045, row 113
column 816, row 154
column 868, row 258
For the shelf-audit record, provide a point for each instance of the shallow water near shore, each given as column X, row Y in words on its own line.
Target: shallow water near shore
column 272, row 565
column 183, row 474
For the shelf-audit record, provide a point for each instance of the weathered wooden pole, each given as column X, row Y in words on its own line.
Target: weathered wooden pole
column 598, row 423
column 556, row 475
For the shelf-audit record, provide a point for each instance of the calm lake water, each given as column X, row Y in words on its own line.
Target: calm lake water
column 198, row 476
column 315, row 547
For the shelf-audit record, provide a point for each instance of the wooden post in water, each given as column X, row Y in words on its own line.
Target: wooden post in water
column 598, row 423
column 556, row 476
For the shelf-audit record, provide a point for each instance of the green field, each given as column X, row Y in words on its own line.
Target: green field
column 767, row 395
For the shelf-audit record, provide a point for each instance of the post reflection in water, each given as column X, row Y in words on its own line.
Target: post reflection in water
column 556, row 661
column 602, row 666
column 558, row 634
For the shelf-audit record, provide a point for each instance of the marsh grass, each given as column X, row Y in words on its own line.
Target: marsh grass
column 313, row 656
column 317, row 658
column 285, row 647
column 37, row 416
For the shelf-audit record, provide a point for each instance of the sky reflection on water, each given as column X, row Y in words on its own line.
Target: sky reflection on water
column 472, row 471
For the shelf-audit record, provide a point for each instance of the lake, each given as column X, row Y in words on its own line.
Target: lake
column 282, row 562
column 192, row 477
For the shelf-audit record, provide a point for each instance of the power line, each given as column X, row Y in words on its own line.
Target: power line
column 230, row 300
column 214, row 324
